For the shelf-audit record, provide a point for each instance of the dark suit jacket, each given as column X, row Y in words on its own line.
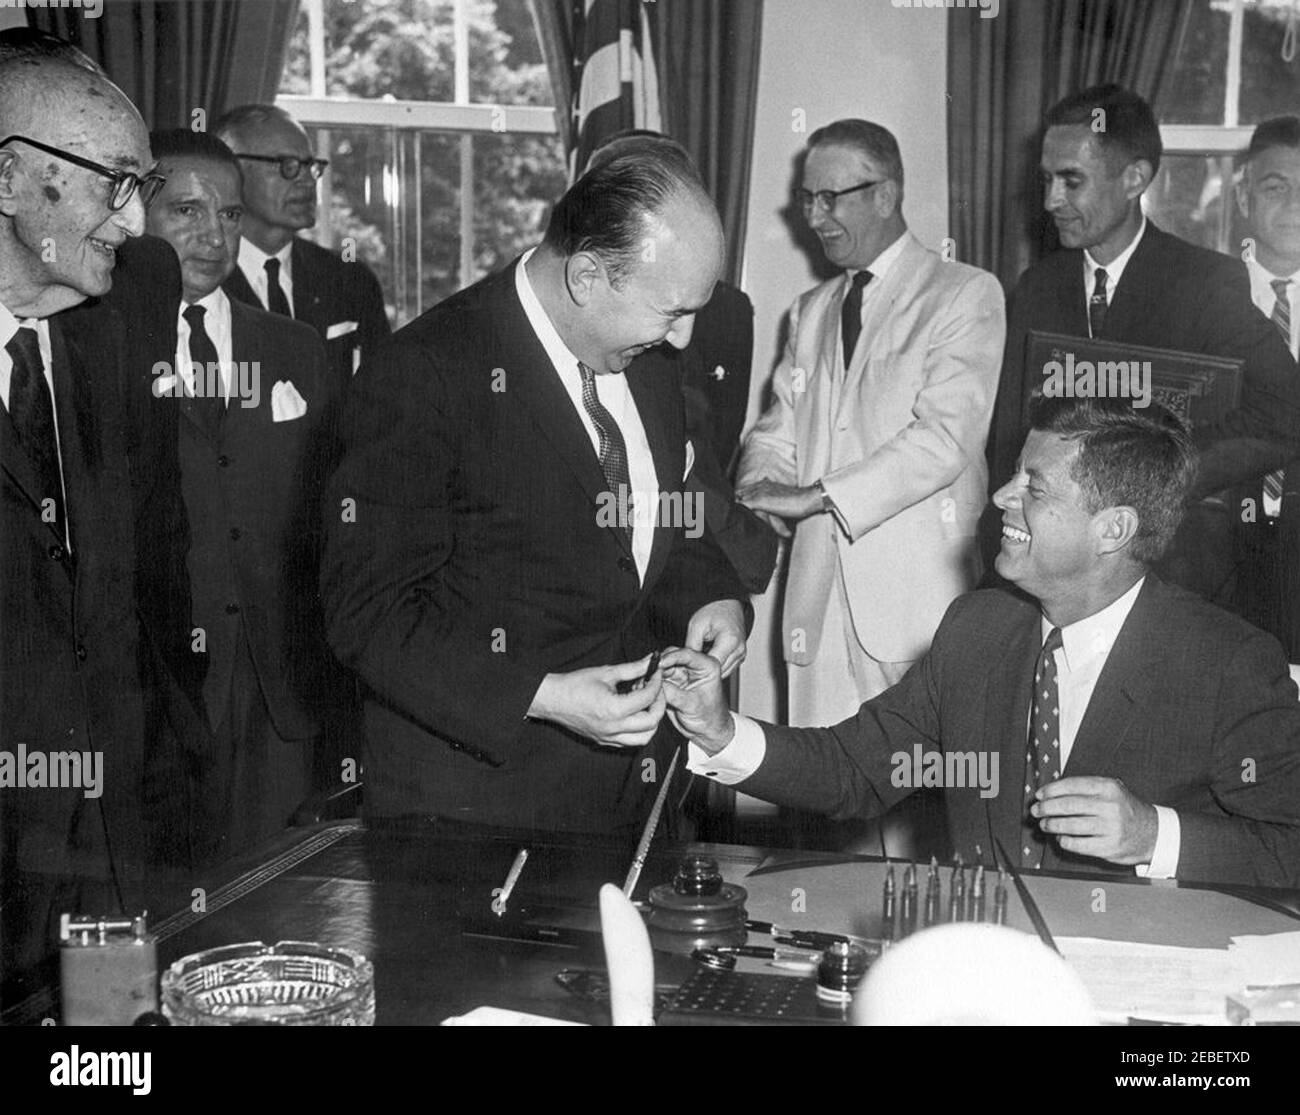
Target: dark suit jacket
column 69, row 636
column 1172, row 295
column 329, row 292
column 474, row 564
column 253, row 495
column 723, row 342
column 1194, row 710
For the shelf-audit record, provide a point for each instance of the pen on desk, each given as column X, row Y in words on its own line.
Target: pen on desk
column 907, row 916
column 648, row 833
column 1000, row 899
column 887, row 911
column 957, row 891
column 932, row 896
column 976, row 913
column 799, row 938
column 502, row 896
column 626, row 687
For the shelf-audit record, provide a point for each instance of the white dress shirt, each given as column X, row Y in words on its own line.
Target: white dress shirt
column 216, row 323
column 1265, row 298
column 616, row 397
column 1085, row 647
column 9, row 325
column 252, row 262
column 1114, row 269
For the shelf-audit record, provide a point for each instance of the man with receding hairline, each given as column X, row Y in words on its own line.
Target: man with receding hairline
column 279, row 270
column 508, row 530
column 74, row 179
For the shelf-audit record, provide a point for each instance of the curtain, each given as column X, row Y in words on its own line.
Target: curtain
column 1003, row 76
column 173, row 57
column 708, row 53
column 553, row 20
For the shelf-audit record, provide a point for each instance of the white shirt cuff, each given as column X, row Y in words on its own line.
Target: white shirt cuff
column 735, row 762
column 1169, row 839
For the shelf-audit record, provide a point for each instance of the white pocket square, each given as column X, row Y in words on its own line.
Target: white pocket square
column 690, row 459
column 286, row 403
column 340, row 329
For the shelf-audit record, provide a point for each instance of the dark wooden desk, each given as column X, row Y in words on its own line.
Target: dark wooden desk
column 399, row 894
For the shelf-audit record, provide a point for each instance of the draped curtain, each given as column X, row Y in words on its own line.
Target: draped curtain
column 707, row 56
column 173, row 57
column 1003, row 76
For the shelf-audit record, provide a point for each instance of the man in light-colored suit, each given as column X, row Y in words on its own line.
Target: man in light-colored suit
column 873, row 446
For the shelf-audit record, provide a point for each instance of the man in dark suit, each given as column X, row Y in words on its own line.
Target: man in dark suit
column 507, row 527
column 1268, row 512
column 1118, row 277
column 1095, row 720
column 338, row 296
column 74, row 155
column 254, row 415
column 715, row 383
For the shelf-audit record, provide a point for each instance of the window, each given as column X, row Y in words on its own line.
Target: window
column 437, row 119
column 1239, row 64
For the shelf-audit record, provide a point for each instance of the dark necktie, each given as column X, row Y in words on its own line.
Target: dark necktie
column 1043, row 759
column 1097, row 304
column 276, row 301
column 851, row 315
column 32, row 410
column 1282, row 319
column 209, row 402
column 613, row 450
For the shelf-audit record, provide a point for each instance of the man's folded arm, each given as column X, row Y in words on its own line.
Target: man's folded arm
column 388, row 533
column 1256, row 779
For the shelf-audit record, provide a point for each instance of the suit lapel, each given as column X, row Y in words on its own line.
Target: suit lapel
column 1007, row 699
column 535, row 383
column 236, row 286
column 308, row 296
column 1145, row 281
column 1125, row 682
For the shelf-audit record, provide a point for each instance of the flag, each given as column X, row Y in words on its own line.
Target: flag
column 615, row 83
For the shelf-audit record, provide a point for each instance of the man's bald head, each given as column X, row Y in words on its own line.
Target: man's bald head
column 58, row 234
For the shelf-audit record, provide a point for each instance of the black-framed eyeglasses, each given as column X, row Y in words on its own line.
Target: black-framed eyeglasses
column 827, row 198
column 125, row 183
column 291, row 165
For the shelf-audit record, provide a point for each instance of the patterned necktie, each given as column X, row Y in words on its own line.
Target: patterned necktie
column 209, row 401
column 32, row 410
column 1282, row 319
column 1043, row 758
column 613, row 450
column 276, row 301
column 851, row 315
column 1097, row 304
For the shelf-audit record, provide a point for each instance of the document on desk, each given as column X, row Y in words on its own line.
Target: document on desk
column 1158, row 983
column 1268, row 960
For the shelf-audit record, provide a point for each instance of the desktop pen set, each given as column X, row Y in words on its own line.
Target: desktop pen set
column 965, row 902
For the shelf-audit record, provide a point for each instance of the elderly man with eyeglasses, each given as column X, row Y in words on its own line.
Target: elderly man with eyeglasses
column 75, row 176
column 871, row 453
column 278, row 270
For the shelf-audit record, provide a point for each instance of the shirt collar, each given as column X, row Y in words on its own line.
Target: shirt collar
column 556, row 349
column 879, row 267
column 217, row 305
column 252, row 260
column 1115, row 268
column 1094, row 635
column 10, row 324
column 1258, row 270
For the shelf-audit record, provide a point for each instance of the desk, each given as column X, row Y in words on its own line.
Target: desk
column 396, row 893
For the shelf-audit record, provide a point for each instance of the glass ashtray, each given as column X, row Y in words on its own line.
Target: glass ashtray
column 293, row 983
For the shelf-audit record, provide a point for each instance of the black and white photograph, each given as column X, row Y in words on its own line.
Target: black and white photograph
column 767, row 515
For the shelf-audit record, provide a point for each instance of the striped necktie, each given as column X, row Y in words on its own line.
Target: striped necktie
column 613, row 450
column 1282, row 319
column 1097, row 304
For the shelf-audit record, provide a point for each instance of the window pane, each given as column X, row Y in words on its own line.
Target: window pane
column 516, row 179
column 505, row 60
column 1269, row 86
column 1193, row 93
column 1188, row 199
